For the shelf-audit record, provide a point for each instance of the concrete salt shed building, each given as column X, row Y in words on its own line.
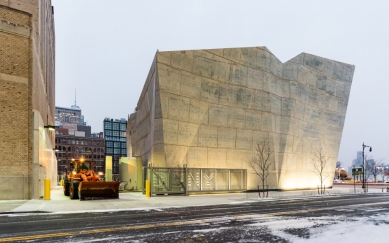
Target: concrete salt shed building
column 210, row 109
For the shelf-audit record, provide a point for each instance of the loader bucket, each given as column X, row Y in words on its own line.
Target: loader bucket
column 98, row 190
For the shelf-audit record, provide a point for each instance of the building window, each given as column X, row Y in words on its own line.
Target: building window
column 124, row 145
column 115, row 126
column 115, row 133
column 117, row 144
column 122, row 134
column 76, row 141
column 107, row 125
column 82, row 142
column 124, row 151
column 109, row 144
column 109, row 150
column 116, row 151
column 123, row 139
column 108, row 133
column 122, row 127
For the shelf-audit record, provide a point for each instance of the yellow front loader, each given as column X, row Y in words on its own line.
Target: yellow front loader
column 83, row 183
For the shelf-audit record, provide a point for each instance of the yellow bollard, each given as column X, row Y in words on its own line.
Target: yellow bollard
column 61, row 182
column 47, row 189
column 147, row 188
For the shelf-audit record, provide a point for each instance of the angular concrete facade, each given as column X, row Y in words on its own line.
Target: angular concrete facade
column 209, row 109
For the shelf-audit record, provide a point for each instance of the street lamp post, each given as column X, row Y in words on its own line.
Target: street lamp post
column 364, row 166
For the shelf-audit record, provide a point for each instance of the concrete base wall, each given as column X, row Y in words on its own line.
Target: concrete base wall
column 131, row 171
column 44, row 161
column 14, row 187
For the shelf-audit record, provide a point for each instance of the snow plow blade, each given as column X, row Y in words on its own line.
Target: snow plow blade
column 98, row 190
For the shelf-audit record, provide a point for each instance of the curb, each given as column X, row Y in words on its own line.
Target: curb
column 24, row 212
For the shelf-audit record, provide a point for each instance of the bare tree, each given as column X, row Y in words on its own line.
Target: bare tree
column 319, row 162
column 373, row 167
column 260, row 163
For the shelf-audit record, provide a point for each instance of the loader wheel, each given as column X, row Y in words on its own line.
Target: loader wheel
column 116, row 193
column 73, row 190
column 66, row 188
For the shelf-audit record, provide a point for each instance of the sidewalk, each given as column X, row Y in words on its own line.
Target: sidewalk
column 137, row 201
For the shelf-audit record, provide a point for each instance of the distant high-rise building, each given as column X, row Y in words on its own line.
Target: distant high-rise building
column 115, row 145
column 69, row 118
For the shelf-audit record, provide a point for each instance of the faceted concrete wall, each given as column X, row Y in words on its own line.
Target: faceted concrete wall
column 210, row 108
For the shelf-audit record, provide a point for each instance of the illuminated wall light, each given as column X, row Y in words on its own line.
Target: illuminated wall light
column 50, row 127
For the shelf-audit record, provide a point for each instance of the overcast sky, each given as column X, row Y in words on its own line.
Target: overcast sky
column 104, row 49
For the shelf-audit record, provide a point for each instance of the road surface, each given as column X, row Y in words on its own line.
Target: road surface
column 238, row 221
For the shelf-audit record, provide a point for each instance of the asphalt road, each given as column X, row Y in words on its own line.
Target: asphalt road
column 221, row 223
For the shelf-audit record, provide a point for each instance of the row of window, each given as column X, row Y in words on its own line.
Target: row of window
column 81, row 142
column 115, row 139
column 116, row 151
column 116, row 145
column 114, row 133
column 66, row 162
column 86, row 156
column 81, row 149
column 115, row 126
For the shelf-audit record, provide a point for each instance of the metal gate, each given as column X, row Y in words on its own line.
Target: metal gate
column 167, row 180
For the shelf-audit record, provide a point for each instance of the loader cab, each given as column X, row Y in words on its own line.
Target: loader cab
column 81, row 164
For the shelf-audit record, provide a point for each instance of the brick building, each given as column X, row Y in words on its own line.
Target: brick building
column 72, row 147
column 27, row 97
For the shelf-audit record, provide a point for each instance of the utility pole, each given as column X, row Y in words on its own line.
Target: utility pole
column 364, row 164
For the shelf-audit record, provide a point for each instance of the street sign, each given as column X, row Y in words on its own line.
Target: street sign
column 357, row 171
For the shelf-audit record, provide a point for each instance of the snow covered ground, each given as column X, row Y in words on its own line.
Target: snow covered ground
column 328, row 229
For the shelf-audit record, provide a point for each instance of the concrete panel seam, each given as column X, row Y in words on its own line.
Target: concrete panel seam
column 12, row 78
column 16, row 29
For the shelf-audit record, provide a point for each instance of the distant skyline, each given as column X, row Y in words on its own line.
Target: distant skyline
column 104, row 49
